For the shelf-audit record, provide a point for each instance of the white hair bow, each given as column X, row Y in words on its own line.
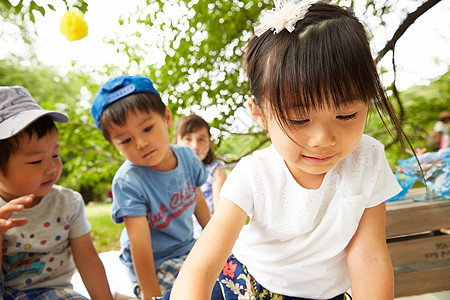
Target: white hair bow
column 284, row 16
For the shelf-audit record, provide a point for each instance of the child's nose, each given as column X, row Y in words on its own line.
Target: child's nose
column 141, row 143
column 322, row 136
column 52, row 166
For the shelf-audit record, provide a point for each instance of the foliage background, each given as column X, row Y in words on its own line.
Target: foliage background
column 201, row 72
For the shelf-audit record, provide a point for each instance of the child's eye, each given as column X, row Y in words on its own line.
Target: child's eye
column 126, row 141
column 55, row 156
column 147, row 129
column 346, row 117
column 299, row 122
column 35, row 162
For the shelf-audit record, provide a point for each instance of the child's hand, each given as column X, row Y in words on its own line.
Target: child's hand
column 7, row 210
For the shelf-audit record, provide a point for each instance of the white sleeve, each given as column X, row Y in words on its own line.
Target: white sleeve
column 238, row 187
column 386, row 185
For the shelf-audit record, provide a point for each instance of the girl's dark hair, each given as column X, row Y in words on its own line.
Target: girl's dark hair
column 325, row 62
column 189, row 124
column 41, row 127
column 117, row 112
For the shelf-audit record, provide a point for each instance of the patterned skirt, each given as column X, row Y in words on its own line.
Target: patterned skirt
column 235, row 283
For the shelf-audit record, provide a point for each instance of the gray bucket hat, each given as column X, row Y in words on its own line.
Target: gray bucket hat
column 18, row 110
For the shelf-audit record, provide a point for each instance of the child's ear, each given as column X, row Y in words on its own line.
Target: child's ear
column 257, row 113
column 168, row 117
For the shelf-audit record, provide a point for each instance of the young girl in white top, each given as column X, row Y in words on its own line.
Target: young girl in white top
column 305, row 217
column 194, row 132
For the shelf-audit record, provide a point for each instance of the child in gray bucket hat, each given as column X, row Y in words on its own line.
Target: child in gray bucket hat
column 43, row 227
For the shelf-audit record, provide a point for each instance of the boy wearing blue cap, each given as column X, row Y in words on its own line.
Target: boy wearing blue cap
column 155, row 191
column 43, row 229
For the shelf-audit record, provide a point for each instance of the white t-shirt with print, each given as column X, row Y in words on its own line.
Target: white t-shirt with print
column 295, row 243
column 38, row 255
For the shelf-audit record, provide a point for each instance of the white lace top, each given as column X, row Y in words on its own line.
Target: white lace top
column 295, row 243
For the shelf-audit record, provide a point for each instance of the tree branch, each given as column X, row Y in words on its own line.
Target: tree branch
column 410, row 19
column 249, row 152
column 248, row 133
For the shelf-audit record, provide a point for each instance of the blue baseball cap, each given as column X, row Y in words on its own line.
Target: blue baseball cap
column 117, row 88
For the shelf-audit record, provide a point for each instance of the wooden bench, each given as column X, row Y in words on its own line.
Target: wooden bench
column 418, row 238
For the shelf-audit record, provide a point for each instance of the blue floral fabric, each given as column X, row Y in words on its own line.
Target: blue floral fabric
column 235, row 283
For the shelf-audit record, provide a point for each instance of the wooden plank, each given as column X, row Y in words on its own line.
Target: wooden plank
column 410, row 217
column 419, row 250
column 422, row 282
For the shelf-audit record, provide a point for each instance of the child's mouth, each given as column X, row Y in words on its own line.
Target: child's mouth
column 317, row 160
column 49, row 182
column 148, row 154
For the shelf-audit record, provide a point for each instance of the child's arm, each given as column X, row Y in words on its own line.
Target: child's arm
column 90, row 267
column 142, row 254
column 209, row 254
column 218, row 178
column 201, row 211
column 368, row 258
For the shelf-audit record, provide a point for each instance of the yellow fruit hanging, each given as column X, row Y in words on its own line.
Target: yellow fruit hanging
column 73, row 25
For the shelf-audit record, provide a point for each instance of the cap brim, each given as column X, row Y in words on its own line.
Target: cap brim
column 20, row 121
